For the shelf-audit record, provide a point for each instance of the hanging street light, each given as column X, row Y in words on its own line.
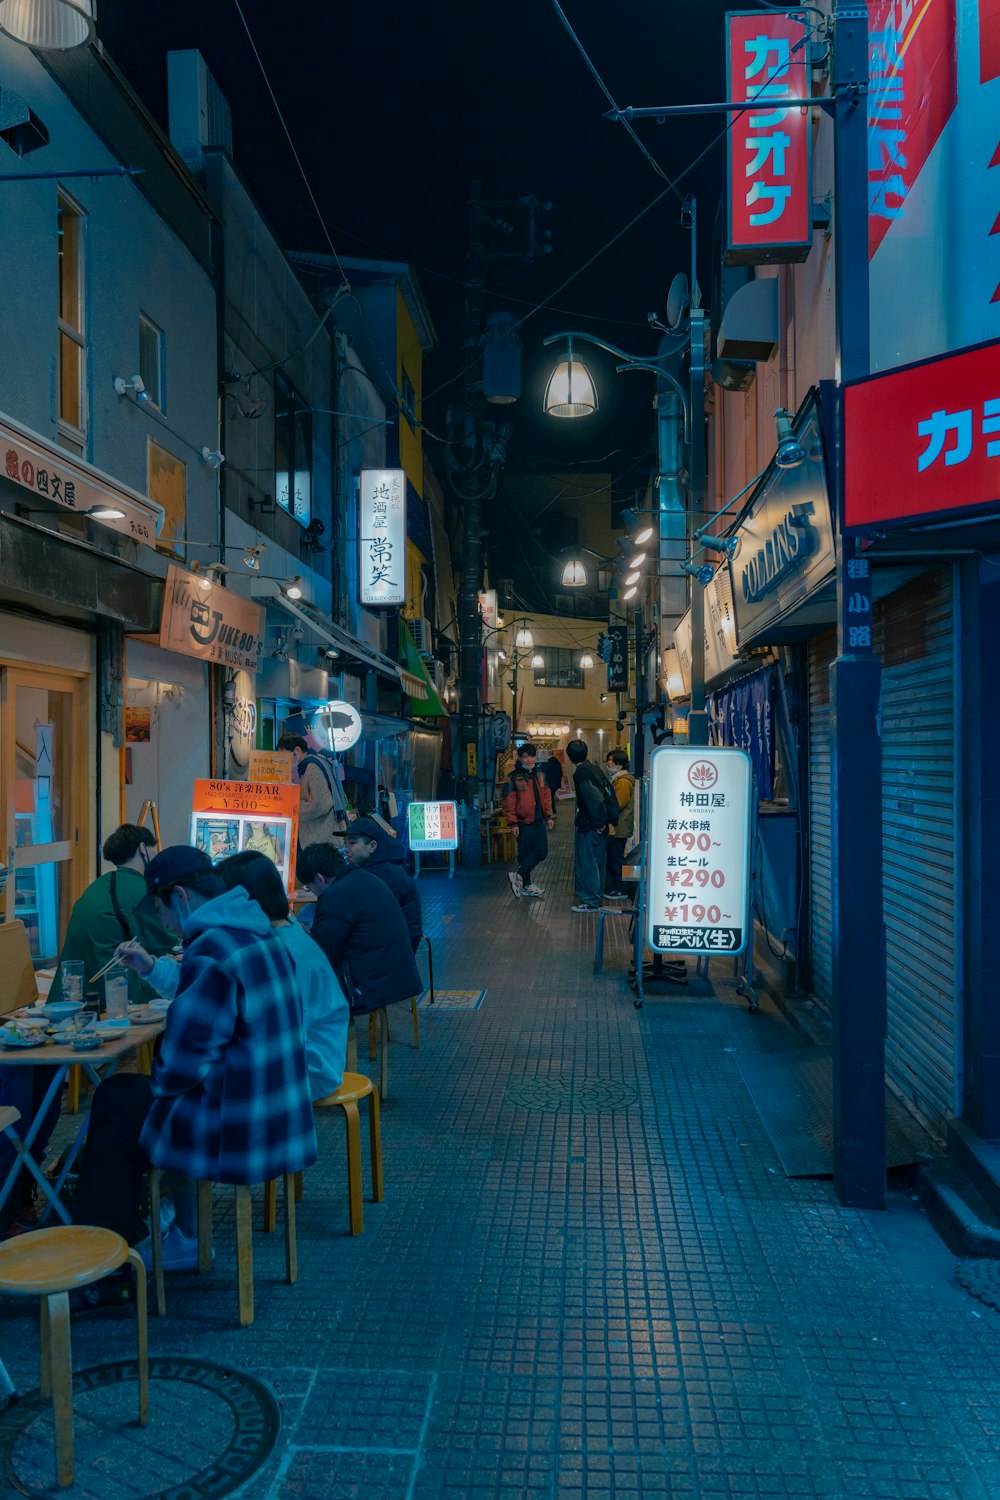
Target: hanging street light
column 524, row 640
column 586, row 661
column 48, row 25
column 574, row 574
column 570, row 391
column 538, row 661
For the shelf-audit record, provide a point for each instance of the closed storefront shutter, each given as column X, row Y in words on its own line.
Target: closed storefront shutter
column 822, row 650
column 915, row 635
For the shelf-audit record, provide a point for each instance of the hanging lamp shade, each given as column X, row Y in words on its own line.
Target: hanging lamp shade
column 574, row 574
column 586, row 661
column 524, row 640
column 538, row 660
column 49, row 25
column 571, row 391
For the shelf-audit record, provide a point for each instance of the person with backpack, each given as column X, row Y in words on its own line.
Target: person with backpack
column 322, row 813
column 597, row 810
column 623, row 785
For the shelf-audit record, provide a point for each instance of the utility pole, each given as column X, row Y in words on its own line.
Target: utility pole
column 698, row 717
column 859, row 996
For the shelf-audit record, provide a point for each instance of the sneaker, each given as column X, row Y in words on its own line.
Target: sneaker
column 516, row 882
column 114, row 1295
column 584, row 907
column 533, row 890
column 180, row 1253
column 616, row 895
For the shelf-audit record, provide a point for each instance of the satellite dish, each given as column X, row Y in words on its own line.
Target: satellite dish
column 678, row 301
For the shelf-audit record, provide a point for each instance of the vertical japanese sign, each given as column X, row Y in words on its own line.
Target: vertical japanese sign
column 382, row 559
column 769, row 147
column 618, row 660
column 698, row 850
column 431, row 826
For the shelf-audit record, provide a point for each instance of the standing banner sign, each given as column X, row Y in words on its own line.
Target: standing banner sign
column 769, row 148
column 698, row 834
column 382, row 558
column 432, row 827
column 262, row 816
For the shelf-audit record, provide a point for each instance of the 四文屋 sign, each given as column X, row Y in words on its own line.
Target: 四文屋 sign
column 382, row 554
column 431, row 826
column 698, row 850
column 944, row 458
column 202, row 619
column 768, row 147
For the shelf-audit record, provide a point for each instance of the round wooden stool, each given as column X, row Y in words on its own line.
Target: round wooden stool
column 356, row 1086
column 51, row 1263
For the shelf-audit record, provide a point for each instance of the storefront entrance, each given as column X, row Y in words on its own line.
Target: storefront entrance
column 44, row 807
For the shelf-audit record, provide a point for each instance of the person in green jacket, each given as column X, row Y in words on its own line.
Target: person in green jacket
column 107, row 913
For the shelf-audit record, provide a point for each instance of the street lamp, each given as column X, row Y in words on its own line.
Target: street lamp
column 574, row 574
column 570, row 391
column 48, row 25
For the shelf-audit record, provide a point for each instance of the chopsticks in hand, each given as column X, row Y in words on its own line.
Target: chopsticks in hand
column 132, row 943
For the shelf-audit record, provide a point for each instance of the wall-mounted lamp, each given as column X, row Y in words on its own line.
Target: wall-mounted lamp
column 630, row 593
column 640, row 533
column 632, row 578
column 328, row 654
column 292, row 587
column 501, row 655
column 92, row 513
column 135, row 383
column 214, row 457
column 251, row 558
column 280, row 652
column 790, row 453
column 704, row 572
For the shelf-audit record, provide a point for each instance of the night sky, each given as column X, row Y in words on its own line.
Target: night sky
column 395, row 109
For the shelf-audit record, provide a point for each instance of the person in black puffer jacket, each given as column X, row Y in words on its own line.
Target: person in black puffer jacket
column 367, row 843
column 361, row 928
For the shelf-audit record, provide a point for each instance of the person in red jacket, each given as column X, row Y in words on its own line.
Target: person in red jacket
column 527, row 806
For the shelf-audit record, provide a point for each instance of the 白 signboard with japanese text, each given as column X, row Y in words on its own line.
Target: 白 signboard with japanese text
column 382, row 556
column 261, row 817
column 944, row 417
column 431, row 826
column 768, row 147
column 698, row 829
column 618, row 659
column 202, row 619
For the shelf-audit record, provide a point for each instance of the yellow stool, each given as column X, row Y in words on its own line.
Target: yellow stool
column 244, row 1240
column 50, row 1263
column 355, row 1086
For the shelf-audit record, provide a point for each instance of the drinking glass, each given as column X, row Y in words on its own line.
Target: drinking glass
column 116, row 994
column 71, row 974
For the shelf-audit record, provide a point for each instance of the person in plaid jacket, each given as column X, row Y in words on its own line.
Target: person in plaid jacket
column 228, row 1099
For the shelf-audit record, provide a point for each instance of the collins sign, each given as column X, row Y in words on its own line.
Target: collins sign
column 944, row 456
column 769, row 189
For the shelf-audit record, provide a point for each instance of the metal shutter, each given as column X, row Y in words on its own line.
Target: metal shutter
column 915, row 635
column 822, row 650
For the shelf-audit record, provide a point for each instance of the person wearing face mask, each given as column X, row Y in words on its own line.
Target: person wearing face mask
column 228, row 1099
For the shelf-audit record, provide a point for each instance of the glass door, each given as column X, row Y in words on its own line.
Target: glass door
column 43, row 783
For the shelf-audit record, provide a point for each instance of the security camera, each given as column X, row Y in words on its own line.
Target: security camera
column 297, row 633
column 214, row 457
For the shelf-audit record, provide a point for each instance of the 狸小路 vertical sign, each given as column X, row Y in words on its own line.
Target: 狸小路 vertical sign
column 382, row 532
column 698, row 850
column 431, row 826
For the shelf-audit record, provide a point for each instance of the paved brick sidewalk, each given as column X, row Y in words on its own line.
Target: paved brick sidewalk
column 589, row 1276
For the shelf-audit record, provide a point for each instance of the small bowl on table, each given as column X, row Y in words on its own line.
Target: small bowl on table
column 61, row 1010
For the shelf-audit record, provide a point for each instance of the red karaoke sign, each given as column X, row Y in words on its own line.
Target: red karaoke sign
column 769, row 188
column 923, row 440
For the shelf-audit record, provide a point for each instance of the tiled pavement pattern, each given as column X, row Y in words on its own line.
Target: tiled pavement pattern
column 560, row 1299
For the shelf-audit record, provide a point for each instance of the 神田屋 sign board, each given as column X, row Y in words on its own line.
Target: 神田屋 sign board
column 699, row 823
column 944, row 459
column 382, row 555
column 768, row 147
column 432, row 826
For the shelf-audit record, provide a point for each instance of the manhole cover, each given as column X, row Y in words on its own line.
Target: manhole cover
column 982, row 1279
column 582, row 1096
column 209, row 1430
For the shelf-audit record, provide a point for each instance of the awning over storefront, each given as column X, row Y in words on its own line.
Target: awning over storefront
column 425, row 702
column 334, row 635
column 42, row 570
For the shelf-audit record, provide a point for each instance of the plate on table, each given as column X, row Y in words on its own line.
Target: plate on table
column 109, row 1030
column 148, row 1015
column 15, row 1041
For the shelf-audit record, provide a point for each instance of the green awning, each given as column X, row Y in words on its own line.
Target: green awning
column 426, row 704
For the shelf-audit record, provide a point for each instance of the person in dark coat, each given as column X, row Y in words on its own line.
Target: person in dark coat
column 368, row 844
column 360, row 927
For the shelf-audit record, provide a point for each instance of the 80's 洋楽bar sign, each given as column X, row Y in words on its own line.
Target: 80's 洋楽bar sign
column 768, row 144
column 698, row 829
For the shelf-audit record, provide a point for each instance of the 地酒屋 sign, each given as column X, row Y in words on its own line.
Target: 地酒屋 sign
column 382, row 532
column 942, row 417
column 768, row 147
column 431, row 826
column 698, row 850
column 204, row 620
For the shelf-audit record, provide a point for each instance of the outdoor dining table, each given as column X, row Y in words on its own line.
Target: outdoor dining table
column 99, row 1063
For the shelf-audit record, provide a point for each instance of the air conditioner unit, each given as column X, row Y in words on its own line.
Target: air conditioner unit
column 420, row 631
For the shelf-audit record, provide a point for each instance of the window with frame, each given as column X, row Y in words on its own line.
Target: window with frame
column 409, row 396
column 562, row 668
column 151, row 361
column 72, row 336
column 292, row 451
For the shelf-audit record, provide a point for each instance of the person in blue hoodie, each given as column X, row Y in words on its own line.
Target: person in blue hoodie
column 228, row 1099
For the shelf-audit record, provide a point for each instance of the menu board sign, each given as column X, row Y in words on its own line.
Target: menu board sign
column 270, row 765
column 261, row 816
column 432, row 826
column 698, row 843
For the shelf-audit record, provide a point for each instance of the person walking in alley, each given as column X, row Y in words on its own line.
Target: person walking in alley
column 596, row 810
column 623, row 785
column 321, row 802
column 553, row 772
column 527, row 806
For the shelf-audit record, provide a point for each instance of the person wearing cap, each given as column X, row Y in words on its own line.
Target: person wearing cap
column 228, row 1099
column 360, row 927
column 369, row 843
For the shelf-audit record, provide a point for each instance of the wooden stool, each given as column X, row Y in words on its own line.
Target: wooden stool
column 355, row 1087
column 378, row 1022
column 244, row 1240
column 50, row 1263
column 430, row 964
